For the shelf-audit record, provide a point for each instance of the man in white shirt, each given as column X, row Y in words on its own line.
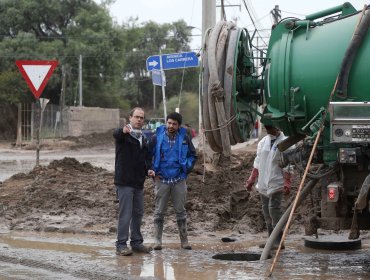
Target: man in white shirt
column 273, row 181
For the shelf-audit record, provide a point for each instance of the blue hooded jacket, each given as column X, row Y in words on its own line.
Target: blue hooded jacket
column 173, row 162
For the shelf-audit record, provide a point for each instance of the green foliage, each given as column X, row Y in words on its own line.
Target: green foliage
column 113, row 57
column 12, row 89
column 189, row 108
column 150, row 39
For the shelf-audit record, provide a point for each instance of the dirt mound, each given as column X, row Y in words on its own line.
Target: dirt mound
column 69, row 196
column 222, row 199
column 64, row 196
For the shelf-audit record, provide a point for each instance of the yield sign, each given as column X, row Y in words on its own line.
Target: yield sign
column 36, row 73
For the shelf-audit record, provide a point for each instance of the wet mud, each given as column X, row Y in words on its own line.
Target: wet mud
column 67, row 195
column 25, row 255
column 58, row 221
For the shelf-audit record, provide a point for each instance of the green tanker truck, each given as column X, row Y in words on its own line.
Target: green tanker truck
column 314, row 80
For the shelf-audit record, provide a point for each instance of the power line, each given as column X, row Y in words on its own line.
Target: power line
column 293, row 13
column 251, row 18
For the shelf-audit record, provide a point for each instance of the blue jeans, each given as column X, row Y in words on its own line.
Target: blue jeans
column 271, row 208
column 130, row 215
column 177, row 191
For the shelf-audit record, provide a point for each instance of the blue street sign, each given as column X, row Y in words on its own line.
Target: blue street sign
column 153, row 63
column 157, row 78
column 172, row 61
column 179, row 60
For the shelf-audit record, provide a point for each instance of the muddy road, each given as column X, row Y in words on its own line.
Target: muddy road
column 58, row 221
column 18, row 160
column 29, row 255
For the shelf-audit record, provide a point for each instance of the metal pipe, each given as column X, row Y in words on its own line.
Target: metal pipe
column 279, row 226
column 327, row 12
column 350, row 55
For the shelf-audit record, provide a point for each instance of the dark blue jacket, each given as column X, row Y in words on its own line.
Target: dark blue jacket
column 132, row 161
column 173, row 162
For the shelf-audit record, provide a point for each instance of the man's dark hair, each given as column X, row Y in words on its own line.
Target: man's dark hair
column 175, row 116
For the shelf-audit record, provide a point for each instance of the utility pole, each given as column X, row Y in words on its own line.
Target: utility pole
column 276, row 14
column 62, row 102
column 80, row 78
column 208, row 15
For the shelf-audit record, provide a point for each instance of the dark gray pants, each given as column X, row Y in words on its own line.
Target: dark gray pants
column 130, row 215
column 177, row 191
column 271, row 208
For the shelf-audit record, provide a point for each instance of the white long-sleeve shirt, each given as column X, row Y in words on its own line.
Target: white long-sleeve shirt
column 270, row 177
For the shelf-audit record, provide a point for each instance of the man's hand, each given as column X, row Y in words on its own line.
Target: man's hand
column 249, row 185
column 127, row 128
column 286, row 190
column 251, row 180
column 287, row 182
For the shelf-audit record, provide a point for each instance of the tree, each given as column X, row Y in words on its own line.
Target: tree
column 113, row 57
column 64, row 30
column 189, row 108
column 150, row 39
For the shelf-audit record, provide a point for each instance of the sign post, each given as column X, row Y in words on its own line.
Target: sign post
column 42, row 105
column 163, row 89
column 36, row 74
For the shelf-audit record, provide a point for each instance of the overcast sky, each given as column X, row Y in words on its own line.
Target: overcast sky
column 168, row 11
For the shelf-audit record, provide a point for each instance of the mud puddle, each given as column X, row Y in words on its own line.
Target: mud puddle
column 71, row 256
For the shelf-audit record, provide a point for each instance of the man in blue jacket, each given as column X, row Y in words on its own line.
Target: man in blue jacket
column 131, row 167
column 174, row 157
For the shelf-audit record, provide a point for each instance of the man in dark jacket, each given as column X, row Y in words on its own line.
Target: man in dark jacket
column 131, row 167
column 174, row 157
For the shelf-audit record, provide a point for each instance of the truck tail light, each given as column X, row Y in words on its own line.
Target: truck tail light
column 332, row 193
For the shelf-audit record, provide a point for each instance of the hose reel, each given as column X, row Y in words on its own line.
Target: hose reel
column 229, row 109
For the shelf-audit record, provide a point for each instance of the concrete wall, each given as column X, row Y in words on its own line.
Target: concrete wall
column 79, row 121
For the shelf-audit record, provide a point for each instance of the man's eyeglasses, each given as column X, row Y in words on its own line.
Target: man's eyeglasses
column 138, row 117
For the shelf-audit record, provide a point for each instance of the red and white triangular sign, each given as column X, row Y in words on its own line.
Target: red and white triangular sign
column 36, row 73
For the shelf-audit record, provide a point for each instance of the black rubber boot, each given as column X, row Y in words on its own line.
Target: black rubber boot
column 158, row 230
column 183, row 234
